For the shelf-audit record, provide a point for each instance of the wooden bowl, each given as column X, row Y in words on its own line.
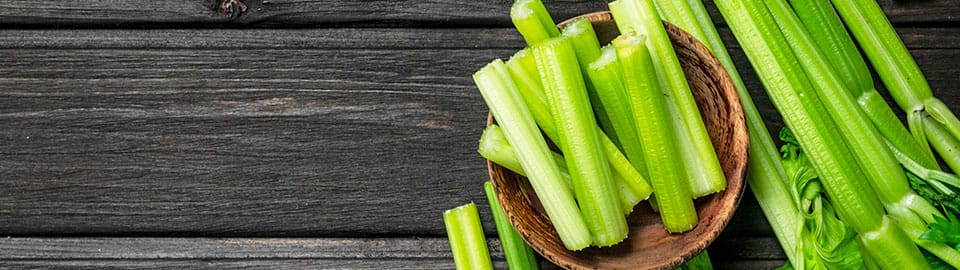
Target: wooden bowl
column 649, row 245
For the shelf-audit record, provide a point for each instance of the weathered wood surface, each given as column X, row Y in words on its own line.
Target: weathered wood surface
column 289, row 253
column 134, row 134
column 174, row 13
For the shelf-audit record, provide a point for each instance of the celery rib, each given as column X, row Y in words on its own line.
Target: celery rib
column 507, row 106
column 518, row 254
column 465, row 234
column 791, row 92
column 700, row 159
column 574, row 118
column 533, row 21
column 653, row 125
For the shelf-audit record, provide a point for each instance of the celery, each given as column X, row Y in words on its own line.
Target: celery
column 587, row 47
column 506, row 104
column 765, row 173
column 827, row 31
column 494, row 147
column 533, row 21
column 607, row 80
column 792, row 93
column 877, row 161
column 574, row 118
column 699, row 262
column 897, row 69
column 700, row 159
column 654, row 126
column 518, row 254
column 531, row 88
column 467, row 242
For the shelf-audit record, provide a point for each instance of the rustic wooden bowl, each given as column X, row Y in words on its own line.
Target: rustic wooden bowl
column 648, row 245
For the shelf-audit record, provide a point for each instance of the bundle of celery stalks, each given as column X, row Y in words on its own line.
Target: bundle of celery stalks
column 620, row 113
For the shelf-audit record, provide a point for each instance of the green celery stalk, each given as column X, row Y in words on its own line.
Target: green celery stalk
column 580, row 140
column 653, row 124
column 533, row 21
column 700, row 159
column 946, row 145
column 584, row 39
column 881, row 168
column 827, row 31
column 897, row 69
column 765, row 173
column 467, row 242
column 494, row 147
column 792, row 93
column 518, row 254
column 507, row 106
column 681, row 14
column 607, row 80
column 531, row 88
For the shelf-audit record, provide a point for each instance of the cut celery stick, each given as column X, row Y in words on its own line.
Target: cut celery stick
column 584, row 40
column 467, row 242
column 531, row 88
column 607, row 80
column 653, row 124
column 518, row 254
column 699, row 158
column 580, row 140
column 533, row 21
column 507, row 106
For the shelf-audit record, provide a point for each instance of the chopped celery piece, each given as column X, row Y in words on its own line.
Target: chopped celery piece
column 793, row 95
column 535, row 98
column 507, row 106
column 607, row 80
column 585, row 44
column 518, row 254
column 699, row 262
column 467, row 242
column 699, row 158
column 654, row 127
column 533, row 21
column 580, row 140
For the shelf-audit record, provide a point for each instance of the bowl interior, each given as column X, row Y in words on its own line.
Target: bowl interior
column 648, row 245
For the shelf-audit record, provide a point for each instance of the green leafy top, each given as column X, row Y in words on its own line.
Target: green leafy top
column 825, row 241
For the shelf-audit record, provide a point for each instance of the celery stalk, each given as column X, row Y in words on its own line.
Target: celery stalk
column 896, row 68
column 653, row 124
column 574, row 118
column 587, row 47
column 880, row 166
column 827, row 31
column 533, row 21
column 700, row 159
column 467, row 242
column 494, row 147
column 765, row 173
column 518, row 254
column 792, row 93
column 535, row 98
column 506, row 104
column 607, row 80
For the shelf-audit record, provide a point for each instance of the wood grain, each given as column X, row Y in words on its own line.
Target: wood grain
column 274, row 13
column 293, row 253
column 258, row 142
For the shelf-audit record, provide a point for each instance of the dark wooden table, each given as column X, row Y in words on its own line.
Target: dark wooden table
column 283, row 134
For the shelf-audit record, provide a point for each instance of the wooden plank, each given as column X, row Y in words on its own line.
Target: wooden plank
column 297, row 253
column 339, row 38
column 259, row 142
column 131, row 14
